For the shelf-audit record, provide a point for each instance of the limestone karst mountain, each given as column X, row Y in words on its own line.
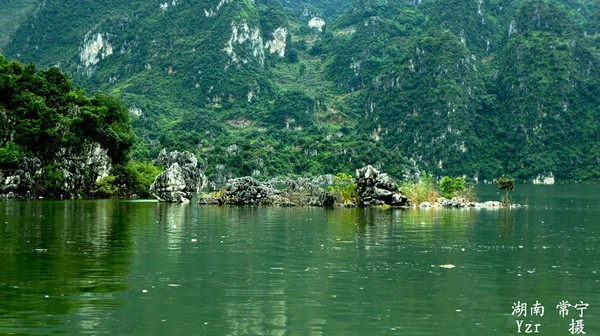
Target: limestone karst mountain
column 268, row 87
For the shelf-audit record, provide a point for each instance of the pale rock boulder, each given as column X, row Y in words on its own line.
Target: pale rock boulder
column 170, row 186
column 181, row 180
column 317, row 23
column 376, row 188
column 277, row 45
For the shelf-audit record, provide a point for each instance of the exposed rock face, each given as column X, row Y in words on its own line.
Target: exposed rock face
column 303, row 191
column 323, row 179
column 92, row 160
column 316, row 22
column 277, row 45
column 77, row 168
column 21, row 183
column 375, row 188
column 184, row 159
column 544, row 179
column 245, row 45
column 248, row 190
column 170, row 186
column 181, row 179
column 96, row 46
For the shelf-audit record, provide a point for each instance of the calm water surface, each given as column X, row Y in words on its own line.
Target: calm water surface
column 144, row 268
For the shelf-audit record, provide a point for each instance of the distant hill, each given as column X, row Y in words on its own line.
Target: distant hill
column 269, row 87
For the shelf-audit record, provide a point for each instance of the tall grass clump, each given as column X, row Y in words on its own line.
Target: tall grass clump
column 425, row 190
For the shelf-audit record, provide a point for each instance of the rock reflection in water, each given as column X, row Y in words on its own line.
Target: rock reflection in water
column 61, row 259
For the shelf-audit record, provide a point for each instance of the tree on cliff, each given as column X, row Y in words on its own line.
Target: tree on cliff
column 42, row 112
column 43, row 115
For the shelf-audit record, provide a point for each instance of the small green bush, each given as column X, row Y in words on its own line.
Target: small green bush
column 145, row 174
column 105, row 188
column 344, row 185
column 10, row 155
column 450, row 187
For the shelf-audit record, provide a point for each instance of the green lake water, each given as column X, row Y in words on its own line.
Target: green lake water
column 144, row 268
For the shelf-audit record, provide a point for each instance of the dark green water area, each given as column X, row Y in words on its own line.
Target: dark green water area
column 114, row 267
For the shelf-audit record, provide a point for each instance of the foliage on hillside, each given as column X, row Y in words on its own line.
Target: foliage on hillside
column 330, row 9
column 479, row 87
column 12, row 14
column 271, row 87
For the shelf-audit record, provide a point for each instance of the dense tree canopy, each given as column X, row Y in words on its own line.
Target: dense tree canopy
column 43, row 112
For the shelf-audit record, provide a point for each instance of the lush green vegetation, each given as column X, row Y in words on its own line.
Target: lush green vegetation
column 345, row 188
column 42, row 113
column 423, row 190
column 12, row 13
column 426, row 189
column 456, row 87
column 44, row 116
column 450, row 187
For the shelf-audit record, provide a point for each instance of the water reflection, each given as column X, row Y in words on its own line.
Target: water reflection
column 171, row 269
column 59, row 259
column 506, row 226
column 172, row 218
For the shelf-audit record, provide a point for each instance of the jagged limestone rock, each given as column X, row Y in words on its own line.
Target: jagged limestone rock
column 304, row 191
column 248, row 190
column 21, row 182
column 79, row 168
column 181, row 179
column 170, row 186
column 184, row 159
column 458, row 202
column 376, row 188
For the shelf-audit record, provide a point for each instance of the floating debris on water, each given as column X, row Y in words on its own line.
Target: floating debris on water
column 447, row 266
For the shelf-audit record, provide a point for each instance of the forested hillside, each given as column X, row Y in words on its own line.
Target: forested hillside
column 270, row 87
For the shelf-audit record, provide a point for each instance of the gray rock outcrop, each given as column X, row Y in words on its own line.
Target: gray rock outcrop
column 181, row 180
column 82, row 168
column 304, row 191
column 74, row 169
column 376, row 188
column 248, row 190
column 458, row 202
column 21, row 183
column 184, row 159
